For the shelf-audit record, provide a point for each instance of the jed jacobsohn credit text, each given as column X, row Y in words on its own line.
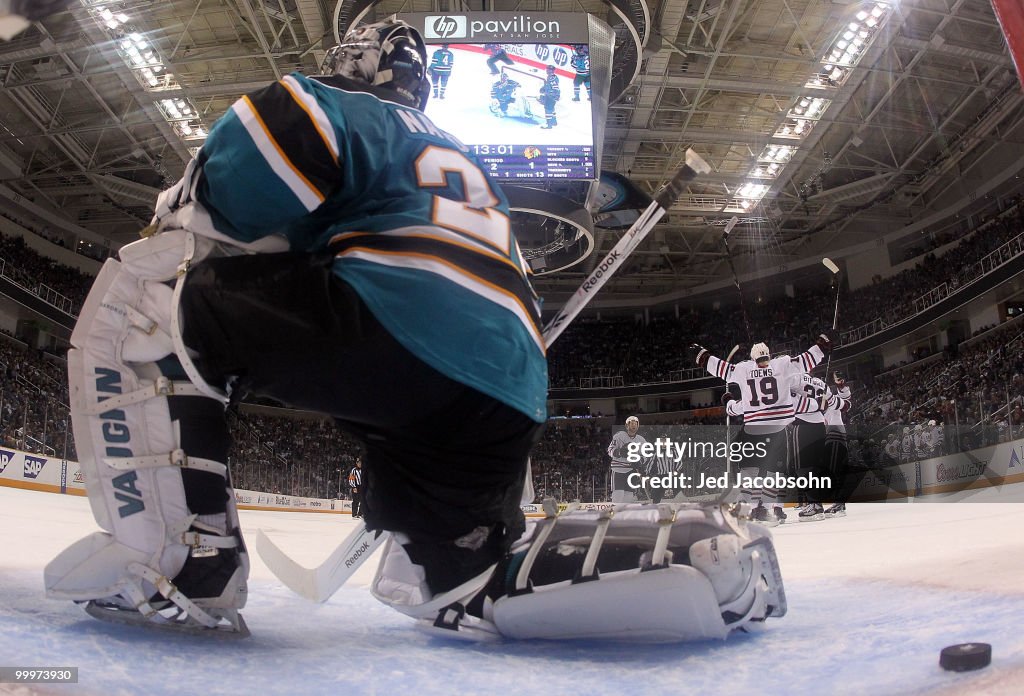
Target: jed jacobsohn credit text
column 664, row 448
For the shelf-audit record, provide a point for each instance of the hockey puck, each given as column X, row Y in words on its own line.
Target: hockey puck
column 965, row 656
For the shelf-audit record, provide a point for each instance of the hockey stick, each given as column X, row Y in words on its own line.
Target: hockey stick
column 735, row 278
column 318, row 584
column 624, row 247
column 728, row 433
column 831, row 266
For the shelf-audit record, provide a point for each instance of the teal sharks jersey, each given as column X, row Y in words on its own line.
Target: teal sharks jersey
column 417, row 228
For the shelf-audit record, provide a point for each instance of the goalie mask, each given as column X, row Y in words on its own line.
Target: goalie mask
column 389, row 54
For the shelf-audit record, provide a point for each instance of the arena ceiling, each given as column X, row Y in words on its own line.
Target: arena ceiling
column 101, row 104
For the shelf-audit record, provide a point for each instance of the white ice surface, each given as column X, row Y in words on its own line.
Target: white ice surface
column 873, row 597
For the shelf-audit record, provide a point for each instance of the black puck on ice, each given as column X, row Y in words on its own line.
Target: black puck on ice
column 965, row 656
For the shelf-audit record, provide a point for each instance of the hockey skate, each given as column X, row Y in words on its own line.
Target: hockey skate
column 836, row 510
column 760, row 515
column 780, row 515
column 812, row 513
column 186, row 610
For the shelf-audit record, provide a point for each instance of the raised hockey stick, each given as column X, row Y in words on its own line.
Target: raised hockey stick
column 831, row 266
column 735, row 278
column 728, row 431
column 318, row 584
column 624, row 247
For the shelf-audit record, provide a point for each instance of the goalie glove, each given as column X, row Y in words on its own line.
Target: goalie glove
column 178, row 195
column 703, row 355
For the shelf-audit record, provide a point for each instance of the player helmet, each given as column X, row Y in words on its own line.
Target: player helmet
column 551, row 70
column 389, row 54
column 444, row 46
column 760, row 352
column 581, row 50
column 632, row 425
column 906, row 429
column 931, row 423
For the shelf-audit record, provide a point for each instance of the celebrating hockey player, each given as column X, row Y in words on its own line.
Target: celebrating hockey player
column 809, row 440
column 580, row 62
column 550, row 93
column 333, row 249
column 441, row 64
column 759, row 391
column 837, row 453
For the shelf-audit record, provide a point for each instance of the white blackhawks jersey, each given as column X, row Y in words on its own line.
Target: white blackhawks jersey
column 833, row 416
column 767, row 402
column 618, row 450
column 812, row 388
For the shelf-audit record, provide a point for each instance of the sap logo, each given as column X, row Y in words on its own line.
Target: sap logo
column 444, row 27
column 6, row 457
column 33, row 466
column 117, row 436
column 1016, row 454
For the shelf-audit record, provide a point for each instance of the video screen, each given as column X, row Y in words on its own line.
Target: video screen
column 523, row 109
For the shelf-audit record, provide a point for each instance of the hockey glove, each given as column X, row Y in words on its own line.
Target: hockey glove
column 732, row 393
column 824, row 342
column 703, row 355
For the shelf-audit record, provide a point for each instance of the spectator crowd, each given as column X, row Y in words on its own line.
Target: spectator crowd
column 966, row 397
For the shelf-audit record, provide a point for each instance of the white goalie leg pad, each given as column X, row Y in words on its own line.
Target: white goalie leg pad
column 666, row 573
column 129, row 449
column 652, row 574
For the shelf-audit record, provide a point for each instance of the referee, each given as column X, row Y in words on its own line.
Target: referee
column 355, row 483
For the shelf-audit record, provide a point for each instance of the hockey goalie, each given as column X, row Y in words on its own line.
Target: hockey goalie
column 331, row 248
column 509, row 100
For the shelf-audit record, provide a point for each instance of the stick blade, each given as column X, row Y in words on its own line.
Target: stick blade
column 693, row 167
column 297, row 578
column 830, row 265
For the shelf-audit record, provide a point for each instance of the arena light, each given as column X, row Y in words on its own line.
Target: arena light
column 847, row 48
column 144, row 59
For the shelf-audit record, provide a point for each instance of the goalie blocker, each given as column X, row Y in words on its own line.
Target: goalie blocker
column 637, row 573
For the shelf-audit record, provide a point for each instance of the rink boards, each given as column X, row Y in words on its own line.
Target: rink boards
column 956, row 474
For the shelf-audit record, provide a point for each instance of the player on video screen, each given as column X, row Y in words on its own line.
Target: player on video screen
column 497, row 55
column 581, row 64
column 441, row 63
column 503, row 93
column 550, row 93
